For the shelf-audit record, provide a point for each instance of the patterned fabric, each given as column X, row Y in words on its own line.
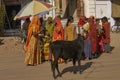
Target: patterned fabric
column 99, row 38
column 46, row 47
column 32, row 46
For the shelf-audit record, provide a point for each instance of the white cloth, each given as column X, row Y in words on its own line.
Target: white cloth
column 79, row 30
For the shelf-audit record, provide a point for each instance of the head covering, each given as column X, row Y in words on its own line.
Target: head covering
column 59, row 24
column 92, row 17
column 50, row 19
column 58, row 21
column 49, row 26
column 81, row 21
column 91, row 20
column 35, row 22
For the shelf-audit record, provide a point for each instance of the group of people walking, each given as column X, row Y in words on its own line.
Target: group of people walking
column 96, row 37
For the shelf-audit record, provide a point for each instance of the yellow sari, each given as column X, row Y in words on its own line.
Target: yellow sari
column 70, row 32
column 46, row 47
column 32, row 47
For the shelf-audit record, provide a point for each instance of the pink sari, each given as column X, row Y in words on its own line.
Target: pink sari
column 100, row 44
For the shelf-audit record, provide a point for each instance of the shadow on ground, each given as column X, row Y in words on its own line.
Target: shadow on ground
column 77, row 68
column 112, row 47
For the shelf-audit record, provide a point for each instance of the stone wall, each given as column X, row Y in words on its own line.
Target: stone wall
column 116, row 8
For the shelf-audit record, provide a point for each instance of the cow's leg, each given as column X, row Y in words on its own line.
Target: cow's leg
column 59, row 74
column 79, row 60
column 79, row 64
column 74, row 64
column 53, row 67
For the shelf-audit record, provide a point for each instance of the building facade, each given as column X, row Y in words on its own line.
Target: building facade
column 66, row 8
column 97, row 8
column 75, row 8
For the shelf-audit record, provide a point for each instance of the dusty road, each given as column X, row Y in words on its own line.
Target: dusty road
column 12, row 67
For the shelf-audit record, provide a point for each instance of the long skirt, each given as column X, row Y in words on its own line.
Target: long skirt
column 87, row 48
column 46, row 51
column 100, row 46
column 33, row 55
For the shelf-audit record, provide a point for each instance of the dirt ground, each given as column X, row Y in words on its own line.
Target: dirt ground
column 12, row 66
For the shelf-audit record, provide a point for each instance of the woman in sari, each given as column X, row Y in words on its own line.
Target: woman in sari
column 47, row 38
column 106, row 38
column 93, row 37
column 87, row 45
column 81, row 22
column 49, row 26
column 99, row 36
column 69, row 30
column 58, row 33
column 32, row 46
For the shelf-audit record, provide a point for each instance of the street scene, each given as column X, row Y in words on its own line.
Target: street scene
column 12, row 66
column 59, row 39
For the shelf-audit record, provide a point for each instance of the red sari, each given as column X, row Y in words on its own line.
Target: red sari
column 93, row 35
column 106, row 38
column 81, row 22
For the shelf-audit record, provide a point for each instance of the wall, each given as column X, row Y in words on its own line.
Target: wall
column 103, row 8
column 99, row 8
column 116, row 8
column 86, row 8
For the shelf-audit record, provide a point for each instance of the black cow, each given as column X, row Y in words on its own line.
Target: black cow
column 66, row 50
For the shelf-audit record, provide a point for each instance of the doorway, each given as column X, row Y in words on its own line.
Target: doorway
column 11, row 11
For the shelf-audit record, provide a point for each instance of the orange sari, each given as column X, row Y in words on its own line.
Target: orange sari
column 32, row 46
column 58, row 34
